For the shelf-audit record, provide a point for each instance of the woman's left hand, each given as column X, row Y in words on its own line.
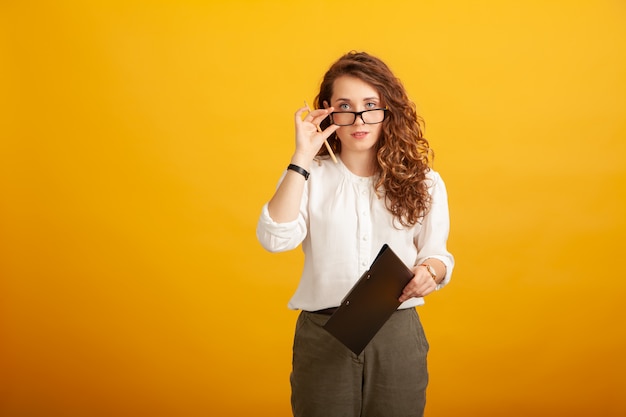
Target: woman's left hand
column 421, row 285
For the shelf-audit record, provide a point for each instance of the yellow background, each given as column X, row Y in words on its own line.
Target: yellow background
column 139, row 140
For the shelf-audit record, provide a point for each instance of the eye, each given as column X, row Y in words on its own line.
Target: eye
column 371, row 105
column 344, row 106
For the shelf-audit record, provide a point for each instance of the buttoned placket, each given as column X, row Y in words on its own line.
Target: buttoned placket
column 364, row 231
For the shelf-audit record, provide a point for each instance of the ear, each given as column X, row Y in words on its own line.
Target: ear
column 326, row 104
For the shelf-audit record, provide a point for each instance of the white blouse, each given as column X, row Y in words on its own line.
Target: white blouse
column 343, row 224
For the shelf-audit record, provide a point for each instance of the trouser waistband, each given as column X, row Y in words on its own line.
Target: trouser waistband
column 325, row 311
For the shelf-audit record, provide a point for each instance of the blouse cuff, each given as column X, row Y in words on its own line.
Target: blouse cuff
column 273, row 226
column 278, row 237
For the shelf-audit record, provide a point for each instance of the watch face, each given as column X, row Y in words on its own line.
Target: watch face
column 432, row 271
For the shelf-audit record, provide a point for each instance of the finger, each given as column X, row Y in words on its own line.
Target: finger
column 417, row 288
column 326, row 133
column 428, row 285
column 298, row 115
column 404, row 297
column 407, row 293
column 318, row 116
column 426, row 289
column 309, row 118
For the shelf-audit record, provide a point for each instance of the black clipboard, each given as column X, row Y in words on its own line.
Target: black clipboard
column 370, row 302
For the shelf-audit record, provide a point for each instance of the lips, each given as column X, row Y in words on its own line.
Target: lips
column 359, row 135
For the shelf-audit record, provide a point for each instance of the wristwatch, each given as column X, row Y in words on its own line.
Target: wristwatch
column 431, row 271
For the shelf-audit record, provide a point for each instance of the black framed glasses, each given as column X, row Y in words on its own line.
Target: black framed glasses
column 369, row 117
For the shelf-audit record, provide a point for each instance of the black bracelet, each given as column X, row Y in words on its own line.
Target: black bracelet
column 299, row 170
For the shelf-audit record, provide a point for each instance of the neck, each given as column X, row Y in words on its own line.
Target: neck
column 361, row 163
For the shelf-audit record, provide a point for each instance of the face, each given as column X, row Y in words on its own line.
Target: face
column 353, row 94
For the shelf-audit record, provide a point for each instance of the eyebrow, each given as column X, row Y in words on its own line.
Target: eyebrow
column 365, row 99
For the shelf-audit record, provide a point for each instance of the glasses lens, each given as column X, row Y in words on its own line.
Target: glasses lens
column 374, row 116
column 343, row 119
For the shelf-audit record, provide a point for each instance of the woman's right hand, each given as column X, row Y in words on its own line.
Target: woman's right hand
column 309, row 139
column 285, row 204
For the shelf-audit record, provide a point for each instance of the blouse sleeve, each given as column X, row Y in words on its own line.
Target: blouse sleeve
column 281, row 237
column 433, row 235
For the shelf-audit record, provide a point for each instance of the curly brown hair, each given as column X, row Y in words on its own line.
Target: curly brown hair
column 403, row 154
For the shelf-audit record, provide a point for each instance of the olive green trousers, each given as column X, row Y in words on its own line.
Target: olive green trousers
column 388, row 379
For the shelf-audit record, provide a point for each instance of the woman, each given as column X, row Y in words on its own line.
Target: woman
column 380, row 190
